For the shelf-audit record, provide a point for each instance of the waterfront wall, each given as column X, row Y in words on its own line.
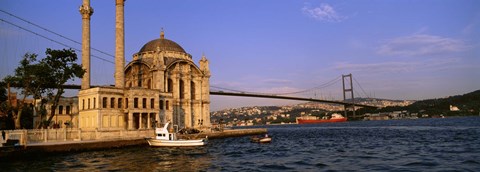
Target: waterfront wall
column 34, row 143
column 225, row 134
column 26, row 137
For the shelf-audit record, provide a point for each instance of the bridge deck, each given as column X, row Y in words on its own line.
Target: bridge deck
column 221, row 93
column 284, row 97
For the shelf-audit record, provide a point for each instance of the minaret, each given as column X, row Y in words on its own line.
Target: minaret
column 86, row 11
column 119, row 44
column 205, row 113
column 162, row 34
column 204, row 66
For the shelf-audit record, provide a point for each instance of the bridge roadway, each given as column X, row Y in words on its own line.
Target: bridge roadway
column 272, row 96
column 222, row 93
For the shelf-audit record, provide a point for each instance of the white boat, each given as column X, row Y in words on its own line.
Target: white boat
column 258, row 139
column 166, row 138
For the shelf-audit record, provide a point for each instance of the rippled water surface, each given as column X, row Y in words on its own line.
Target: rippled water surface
column 450, row 144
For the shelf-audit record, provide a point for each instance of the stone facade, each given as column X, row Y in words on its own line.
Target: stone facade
column 162, row 84
column 66, row 113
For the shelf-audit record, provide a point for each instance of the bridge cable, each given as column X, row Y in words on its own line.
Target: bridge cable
column 366, row 95
column 45, row 37
column 324, row 85
column 53, row 32
column 239, row 91
column 327, row 84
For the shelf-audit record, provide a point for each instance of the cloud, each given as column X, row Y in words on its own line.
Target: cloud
column 378, row 67
column 324, row 12
column 395, row 67
column 277, row 81
column 420, row 44
column 279, row 90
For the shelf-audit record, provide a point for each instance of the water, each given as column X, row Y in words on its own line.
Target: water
column 450, row 144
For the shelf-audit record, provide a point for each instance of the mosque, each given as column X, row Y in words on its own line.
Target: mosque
column 162, row 83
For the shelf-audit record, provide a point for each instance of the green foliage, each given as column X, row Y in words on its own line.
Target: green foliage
column 469, row 104
column 61, row 67
column 27, row 117
column 30, row 75
column 3, row 101
column 45, row 77
column 3, row 92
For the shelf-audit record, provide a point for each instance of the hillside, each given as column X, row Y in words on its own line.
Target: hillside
column 468, row 104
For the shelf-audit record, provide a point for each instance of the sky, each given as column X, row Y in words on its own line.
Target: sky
column 403, row 50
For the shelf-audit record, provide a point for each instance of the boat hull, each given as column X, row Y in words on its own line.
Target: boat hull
column 316, row 121
column 176, row 143
column 265, row 140
column 261, row 139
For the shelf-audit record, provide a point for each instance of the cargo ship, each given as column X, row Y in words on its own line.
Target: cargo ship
column 314, row 120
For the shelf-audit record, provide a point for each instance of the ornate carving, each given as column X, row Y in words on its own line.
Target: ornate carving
column 119, row 2
column 86, row 11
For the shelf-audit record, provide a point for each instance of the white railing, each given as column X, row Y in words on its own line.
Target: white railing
column 66, row 134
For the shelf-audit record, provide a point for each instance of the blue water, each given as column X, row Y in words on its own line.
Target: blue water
column 450, row 144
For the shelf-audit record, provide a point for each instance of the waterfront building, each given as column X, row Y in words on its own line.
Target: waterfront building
column 160, row 84
column 66, row 113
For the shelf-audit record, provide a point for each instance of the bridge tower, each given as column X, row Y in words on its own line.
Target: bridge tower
column 345, row 91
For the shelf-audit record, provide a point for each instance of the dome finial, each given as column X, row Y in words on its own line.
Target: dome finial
column 162, row 34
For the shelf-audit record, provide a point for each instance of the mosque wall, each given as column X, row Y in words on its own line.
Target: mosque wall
column 161, row 84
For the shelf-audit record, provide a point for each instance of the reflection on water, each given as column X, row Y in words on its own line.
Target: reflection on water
column 141, row 158
column 408, row 145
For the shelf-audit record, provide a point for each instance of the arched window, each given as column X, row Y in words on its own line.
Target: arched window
column 149, row 84
column 112, row 102
column 67, row 109
column 104, row 102
column 192, row 90
column 60, row 109
column 182, row 89
column 144, row 102
column 161, row 104
column 152, row 103
column 166, row 105
column 135, row 103
column 169, row 85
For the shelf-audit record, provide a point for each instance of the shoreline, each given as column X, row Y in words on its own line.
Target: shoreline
column 38, row 149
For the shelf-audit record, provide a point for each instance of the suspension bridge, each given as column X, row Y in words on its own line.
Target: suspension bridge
column 53, row 37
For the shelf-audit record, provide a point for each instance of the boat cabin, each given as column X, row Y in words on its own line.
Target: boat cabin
column 164, row 133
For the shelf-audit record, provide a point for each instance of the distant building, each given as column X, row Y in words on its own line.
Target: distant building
column 376, row 116
column 454, row 108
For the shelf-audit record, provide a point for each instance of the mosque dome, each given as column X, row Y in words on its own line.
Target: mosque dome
column 162, row 44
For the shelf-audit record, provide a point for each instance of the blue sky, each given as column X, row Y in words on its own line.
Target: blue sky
column 394, row 49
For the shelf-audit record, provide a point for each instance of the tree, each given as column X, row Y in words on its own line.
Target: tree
column 3, row 92
column 4, row 108
column 61, row 67
column 30, row 77
column 40, row 78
